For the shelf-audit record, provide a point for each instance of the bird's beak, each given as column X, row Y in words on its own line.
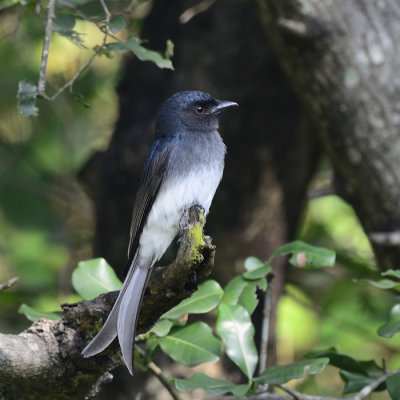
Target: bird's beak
column 222, row 105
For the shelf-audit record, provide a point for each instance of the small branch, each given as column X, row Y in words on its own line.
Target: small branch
column 106, row 12
column 46, row 49
column 385, row 238
column 9, row 283
column 191, row 12
column 301, row 396
column 265, row 326
column 367, row 390
column 157, row 372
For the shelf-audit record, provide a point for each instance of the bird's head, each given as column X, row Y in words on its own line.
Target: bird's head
column 196, row 110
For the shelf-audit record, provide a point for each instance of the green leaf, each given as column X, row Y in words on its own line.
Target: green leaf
column 205, row 299
column 162, row 327
column 192, row 344
column 296, row 370
column 34, row 315
column 392, row 272
column 26, row 96
column 64, row 23
column 306, row 256
column 117, row 24
column 210, row 385
column 251, row 263
column 392, row 326
column 259, row 272
column 381, row 284
column 236, row 329
column 340, row 360
column 242, row 292
column 393, row 386
column 94, row 277
column 134, row 44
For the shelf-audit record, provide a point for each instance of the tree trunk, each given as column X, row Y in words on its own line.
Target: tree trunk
column 341, row 57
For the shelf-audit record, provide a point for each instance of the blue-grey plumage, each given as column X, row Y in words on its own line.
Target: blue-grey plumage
column 184, row 168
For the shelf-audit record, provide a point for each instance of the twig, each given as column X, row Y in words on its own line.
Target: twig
column 301, row 396
column 191, row 12
column 367, row 390
column 46, row 48
column 265, row 326
column 385, row 238
column 9, row 283
column 106, row 12
column 157, row 372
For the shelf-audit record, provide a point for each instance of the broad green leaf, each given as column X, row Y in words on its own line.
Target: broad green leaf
column 305, row 255
column 251, row 263
column 242, row 292
column 381, row 283
column 259, row 272
column 162, row 327
column 34, row 315
column 192, row 344
column 26, row 96
column 94, row 277
column 64, row 23
column 393, row 386
column 285, row 373
column 134, row 44
column 210, row 385
column 117, row 24
column 205, row 299
column 8, row 3
column 392, row 326
column 236, row 329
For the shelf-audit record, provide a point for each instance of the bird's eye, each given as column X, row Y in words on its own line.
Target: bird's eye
column 199, row 110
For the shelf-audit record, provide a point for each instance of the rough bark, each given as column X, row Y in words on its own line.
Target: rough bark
column 341, row 59
column 44, row 362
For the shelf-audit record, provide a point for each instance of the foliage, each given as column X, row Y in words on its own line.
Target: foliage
column 194, row 343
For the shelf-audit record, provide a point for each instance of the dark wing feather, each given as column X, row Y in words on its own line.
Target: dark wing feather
column 153, row 175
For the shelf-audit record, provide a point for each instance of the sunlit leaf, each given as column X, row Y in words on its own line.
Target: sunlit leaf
column 117, row 24
column 381, row 283
column 391, row 272
column 134, row 44
column 282, row 374
column 236, row 329
column 205, row 299
column 210, row 385
column 94, row 277
column 35, row 315
column 305, row 255
column 243, row 292
column 259, row 272
column 251, row 263
column 162, row 327
column 192, row 344
column 392, row 326
column 26, row 97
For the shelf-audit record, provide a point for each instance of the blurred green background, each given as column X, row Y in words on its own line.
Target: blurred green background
column 46, row 220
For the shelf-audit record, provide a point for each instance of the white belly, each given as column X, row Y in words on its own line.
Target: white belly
column 162, row 225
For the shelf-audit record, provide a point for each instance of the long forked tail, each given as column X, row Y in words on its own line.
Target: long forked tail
column 123, row 316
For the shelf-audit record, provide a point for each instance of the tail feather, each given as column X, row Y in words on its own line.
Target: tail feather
column 109, row 330
column 128, row 313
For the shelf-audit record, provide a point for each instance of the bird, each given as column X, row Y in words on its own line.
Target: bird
column 184, row 168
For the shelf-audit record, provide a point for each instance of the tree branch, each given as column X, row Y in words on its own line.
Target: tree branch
column 46, row 49
column 45, row 362
column 9, row 283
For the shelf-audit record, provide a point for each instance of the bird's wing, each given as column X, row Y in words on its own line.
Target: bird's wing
column 153, row 175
